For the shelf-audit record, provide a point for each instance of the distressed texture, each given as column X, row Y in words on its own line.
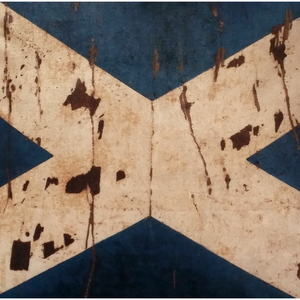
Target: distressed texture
column 118, row 158
column 67, row 135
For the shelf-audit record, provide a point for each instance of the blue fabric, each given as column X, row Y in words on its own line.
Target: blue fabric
column 281, row 159
column 127, row 34
column 18, row 154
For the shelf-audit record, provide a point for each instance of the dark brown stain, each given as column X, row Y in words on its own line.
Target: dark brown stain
column 222, row 144
column 13, row 87
column 155, row 63
column 208, row 181
column 68, row 239
column 93, row 52
column 246, row 187
column 27, row 233
column 120, row 175
column 22, row 67
column 185, row 105
column 277, row 48
column 38, row 140
column 20, row 86
column 79, row 98
column 227, row 180
column 80, row 183
column 100, row 129
column 256, row 130
column 20, row 256
column 278, row 118
column 186, row 109
column 52, row 180
column 37, row 232
column 49, row 249
column 298, row 272
column 38, row 61
column 195, row 205
column 76, row 6
column 25, row 186
column 256, row 103
column 219, row 59
column 236, row 62
column 242, row 138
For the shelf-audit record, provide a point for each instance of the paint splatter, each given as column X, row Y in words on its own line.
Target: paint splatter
column 120, row 175
column 49, row 249
column 37, row 232
column 80, row 183
column 79, row 98
column 256, row 103
column 256, row 130
column 227, row 181
column 100, row 129
column 242, row 138
column 68, row 239
column 25, row 185
column 222, row 144
column 20, row 256
column 52, row 180
column 236, row 62
column 278, row 118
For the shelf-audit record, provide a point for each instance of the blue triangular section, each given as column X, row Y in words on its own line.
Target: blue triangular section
column 126, row 35
column 281, row 159
column 148, row 259
column 18, row 154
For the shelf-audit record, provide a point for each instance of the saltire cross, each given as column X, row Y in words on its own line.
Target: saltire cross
column 137, row 143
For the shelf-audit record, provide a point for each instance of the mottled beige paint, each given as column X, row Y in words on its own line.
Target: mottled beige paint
column 255, row 227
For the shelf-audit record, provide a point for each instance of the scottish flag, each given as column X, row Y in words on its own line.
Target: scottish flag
column 150, row 149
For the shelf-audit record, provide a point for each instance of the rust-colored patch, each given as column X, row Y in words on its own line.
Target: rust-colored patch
column 298, row 272
column 155, row 63
column 236, row 62
column 242, row 138
column 20, row 256
column 37, row 232
column 222, row 144
column 219, row 59
column 80, row 183
column 25, row 186
column 278, row 118
column 38, row 86
column 68, row 240
column 256, row 130
column 256, row 103
column 120, row 175
column 227, row 181
column 100, row 129
column 49, row 249
column 52, row 180
column 79, row 98
column 38, row 140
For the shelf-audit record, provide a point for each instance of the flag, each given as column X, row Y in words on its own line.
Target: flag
column 149, row 150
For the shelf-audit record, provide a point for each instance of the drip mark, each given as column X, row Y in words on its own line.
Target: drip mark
column 186, row 107
column 254, row 92
column 52, row 180
column 219, row 60
column 223, row 144
column 100, row 128
column 227, row 180
column 25, row 185
column 37, row 232
column 155, row 63
column 278, row 118
column 120, row 175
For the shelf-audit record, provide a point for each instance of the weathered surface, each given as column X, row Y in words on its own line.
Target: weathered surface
column 118, row 158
